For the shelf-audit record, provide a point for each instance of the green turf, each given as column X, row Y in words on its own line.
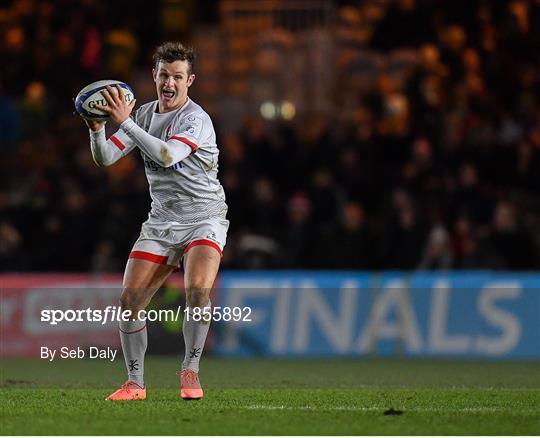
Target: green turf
column 264, row 397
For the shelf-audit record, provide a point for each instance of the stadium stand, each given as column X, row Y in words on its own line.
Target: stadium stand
column 415, row 151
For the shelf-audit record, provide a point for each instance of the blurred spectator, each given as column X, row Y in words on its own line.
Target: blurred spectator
column 513, row 248
column 34, row 111
column 437, row 253
column 298, row 238
column 404, row 239
column 406, row 24
column 351, row 245
column 257, row 252
column 11, row 251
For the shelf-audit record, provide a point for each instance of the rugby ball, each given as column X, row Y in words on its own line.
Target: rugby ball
column 90, row 96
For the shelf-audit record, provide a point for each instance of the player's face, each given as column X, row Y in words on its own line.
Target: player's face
column 172, row 83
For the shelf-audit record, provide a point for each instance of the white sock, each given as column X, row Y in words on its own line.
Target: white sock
column 134, row 337
column 195, row 333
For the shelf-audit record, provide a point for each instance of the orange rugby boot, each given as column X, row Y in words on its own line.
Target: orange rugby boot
column 128, row 391
column 190, row 387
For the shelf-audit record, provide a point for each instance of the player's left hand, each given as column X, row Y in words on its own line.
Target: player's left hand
column 118, row 109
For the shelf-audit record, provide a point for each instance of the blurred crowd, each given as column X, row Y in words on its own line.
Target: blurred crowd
column 429, row 159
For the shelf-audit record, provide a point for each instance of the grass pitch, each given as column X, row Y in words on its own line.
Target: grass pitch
column 275, row 397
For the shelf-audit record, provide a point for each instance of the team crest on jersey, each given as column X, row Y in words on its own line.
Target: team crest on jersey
column 192, row 126
column 211, row 236
column 168, row 131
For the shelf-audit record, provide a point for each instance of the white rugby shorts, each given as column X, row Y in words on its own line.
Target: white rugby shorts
column 167, row 242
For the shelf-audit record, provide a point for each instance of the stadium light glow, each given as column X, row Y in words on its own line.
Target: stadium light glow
column 288, row 110
column 268, row 110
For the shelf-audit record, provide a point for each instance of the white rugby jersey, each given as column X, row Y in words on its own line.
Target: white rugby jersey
column 181, row 167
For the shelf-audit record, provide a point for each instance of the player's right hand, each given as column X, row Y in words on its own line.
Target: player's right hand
column 94, row 125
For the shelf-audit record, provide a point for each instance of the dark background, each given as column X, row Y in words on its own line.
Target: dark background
column 413, row 141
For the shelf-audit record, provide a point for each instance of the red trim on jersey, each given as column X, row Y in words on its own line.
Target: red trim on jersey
column 202, row 242
column 192, row 145
column 134, row 331
column 117, row 142
column 162, row 260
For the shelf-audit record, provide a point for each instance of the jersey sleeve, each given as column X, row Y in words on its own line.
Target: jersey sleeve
column 165, row 153
column 188, row 131
column 197, row 132
column 108, row 151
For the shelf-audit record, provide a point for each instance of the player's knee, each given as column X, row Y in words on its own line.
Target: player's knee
column 197, row 283
column 131, row 300
column 198, row 297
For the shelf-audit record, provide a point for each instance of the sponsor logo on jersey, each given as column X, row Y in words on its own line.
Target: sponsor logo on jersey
column 155, row 167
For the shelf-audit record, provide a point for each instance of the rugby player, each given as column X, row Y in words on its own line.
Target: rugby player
column 187, row 220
